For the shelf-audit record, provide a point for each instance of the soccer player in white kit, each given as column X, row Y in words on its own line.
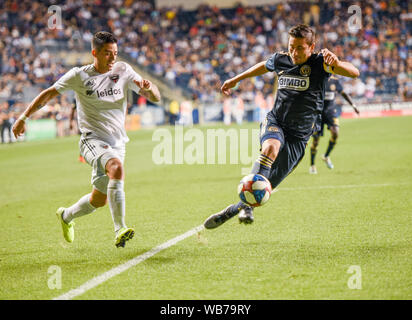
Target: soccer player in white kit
column 101, row 97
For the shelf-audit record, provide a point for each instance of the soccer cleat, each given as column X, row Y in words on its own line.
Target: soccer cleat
column 68, row 228
column 123, row 235
column 246, row 215
column 328, row 162
column 312, row 170
column 221, row 217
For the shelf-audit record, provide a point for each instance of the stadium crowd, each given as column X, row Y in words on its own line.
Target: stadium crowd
column 197, row 50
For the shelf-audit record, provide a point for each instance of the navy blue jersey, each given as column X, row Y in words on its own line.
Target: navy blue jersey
column 333, row 86
column 300, row 93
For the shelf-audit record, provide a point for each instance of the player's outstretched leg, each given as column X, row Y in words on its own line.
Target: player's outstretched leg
column 262, row 166
column 217, row 219
column 67, row 215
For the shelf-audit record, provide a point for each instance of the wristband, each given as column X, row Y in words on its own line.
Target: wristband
column 23, row 117
column 328, row 68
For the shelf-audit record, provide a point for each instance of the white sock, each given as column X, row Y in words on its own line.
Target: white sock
column 80, row 208
column 117, row 203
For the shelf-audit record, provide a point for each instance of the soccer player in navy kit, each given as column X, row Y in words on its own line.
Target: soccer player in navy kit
column 330, row 117
column 302, row 76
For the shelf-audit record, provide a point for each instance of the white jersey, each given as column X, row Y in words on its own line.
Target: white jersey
column 101, row 99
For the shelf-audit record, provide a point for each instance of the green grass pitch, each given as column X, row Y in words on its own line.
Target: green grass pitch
column 301, row 245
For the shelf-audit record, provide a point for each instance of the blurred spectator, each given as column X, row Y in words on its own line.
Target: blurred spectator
column 173, row 112
column 186, row 116
column 142, row 102
column 227, row 110
column 239, row 109
column 6, row 122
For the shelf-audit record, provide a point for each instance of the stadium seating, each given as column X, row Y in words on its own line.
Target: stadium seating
column 197, row 50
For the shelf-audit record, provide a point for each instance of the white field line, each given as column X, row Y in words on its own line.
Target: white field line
column 131, row 263
column 127, row 265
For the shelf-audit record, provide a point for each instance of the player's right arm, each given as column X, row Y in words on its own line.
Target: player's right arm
column 67, row 82
column 45, row 96
column 257, row 70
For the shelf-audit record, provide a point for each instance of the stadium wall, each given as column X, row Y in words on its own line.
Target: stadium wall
column 150, row 117
column 377, row 110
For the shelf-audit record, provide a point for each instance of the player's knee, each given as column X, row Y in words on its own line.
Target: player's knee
column 114, row 169
column 98, row 201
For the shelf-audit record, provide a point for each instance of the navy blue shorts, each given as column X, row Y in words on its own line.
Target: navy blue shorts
column 330, row 117
column 291, row 152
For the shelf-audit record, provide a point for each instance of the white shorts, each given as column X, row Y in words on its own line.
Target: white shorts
column 96, row 153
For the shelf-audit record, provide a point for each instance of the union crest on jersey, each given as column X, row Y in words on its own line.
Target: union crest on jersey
column 305, row 70
column 273, row 129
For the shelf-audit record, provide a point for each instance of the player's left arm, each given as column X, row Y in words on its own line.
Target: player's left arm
column 148, row 90
column 334, row 65
column 349, row 100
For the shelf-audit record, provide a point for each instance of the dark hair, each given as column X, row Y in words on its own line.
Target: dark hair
column 303, row 31
column 102, row 37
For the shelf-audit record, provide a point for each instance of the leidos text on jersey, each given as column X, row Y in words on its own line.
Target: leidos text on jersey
column 109, row 92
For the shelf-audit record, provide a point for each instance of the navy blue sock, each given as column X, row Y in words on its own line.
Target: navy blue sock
column 312, row 156
column 332, row 143
column 262, row 166
column 237, row 207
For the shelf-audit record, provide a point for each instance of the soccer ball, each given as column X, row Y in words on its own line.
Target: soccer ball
column 254, row 190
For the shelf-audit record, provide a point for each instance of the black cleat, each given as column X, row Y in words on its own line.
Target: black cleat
column 246, row 215
column 221, row 217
